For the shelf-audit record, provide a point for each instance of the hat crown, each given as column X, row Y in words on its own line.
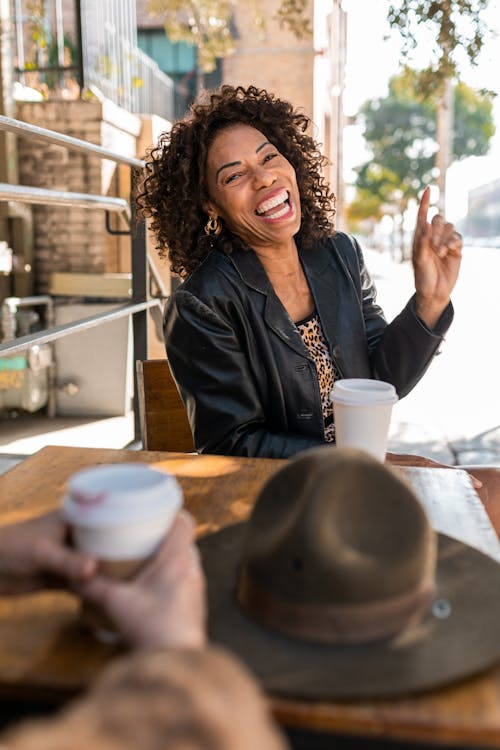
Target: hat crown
column 336, row 530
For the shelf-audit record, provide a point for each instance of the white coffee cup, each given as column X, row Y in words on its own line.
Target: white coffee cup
column 121, row 511
column 362, row 411
column 119, row 514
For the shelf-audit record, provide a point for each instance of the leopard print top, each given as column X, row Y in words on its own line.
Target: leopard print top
column 314, row 339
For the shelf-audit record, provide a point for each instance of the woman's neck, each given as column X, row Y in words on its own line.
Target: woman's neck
column 281, row 264
column 285, row 272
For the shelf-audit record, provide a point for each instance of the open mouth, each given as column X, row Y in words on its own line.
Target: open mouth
column 275, row 207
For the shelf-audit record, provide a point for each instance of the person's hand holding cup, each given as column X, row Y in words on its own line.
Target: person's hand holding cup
column 127, row 516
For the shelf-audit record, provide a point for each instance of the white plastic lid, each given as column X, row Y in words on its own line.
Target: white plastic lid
column 363, row 391
column 116, row 494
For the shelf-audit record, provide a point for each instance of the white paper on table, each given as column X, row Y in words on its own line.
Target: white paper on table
column 454, row 507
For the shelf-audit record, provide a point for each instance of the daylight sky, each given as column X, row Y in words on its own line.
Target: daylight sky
column 367, row 75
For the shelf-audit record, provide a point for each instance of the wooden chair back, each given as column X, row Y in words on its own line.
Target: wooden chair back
column 164, row 422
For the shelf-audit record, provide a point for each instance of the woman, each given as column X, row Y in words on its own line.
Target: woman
column 274, row 305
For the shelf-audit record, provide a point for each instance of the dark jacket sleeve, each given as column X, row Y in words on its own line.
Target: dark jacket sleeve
column 400, row 352
column 217, row 387
column 407, row 348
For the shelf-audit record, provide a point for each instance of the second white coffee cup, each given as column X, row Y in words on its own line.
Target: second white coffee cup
column 362, row 410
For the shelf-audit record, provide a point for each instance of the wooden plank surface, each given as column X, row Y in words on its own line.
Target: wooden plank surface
column 218, row 489
column 44, row 651
column 453, row 506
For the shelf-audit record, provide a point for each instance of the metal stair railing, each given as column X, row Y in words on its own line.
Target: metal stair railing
column 142, row 266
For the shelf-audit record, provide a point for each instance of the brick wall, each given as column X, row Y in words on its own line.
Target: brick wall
column 144, row 19
column 66, row 238
column 278, row 61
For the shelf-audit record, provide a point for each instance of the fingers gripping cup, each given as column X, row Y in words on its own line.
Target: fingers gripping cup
column 362, row 410
column 119, row 514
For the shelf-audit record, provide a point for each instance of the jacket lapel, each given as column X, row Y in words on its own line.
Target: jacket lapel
column 332, row 289
column 334, row 292
column 276, row 317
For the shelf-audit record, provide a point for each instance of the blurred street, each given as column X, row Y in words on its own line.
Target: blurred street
column 453, row 414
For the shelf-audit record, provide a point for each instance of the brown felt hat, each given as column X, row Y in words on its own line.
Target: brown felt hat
column 338, row 587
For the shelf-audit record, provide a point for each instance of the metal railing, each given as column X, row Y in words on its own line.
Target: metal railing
column 156, row 91
column 141, row 300
column 44, row 196
column 100, row 39
column 59, row 139
column 127, row 76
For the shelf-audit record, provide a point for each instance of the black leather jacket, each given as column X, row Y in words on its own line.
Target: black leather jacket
column 248, row 382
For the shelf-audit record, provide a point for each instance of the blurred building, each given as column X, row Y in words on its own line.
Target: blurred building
column 73, row 67
column 176, row 59
column 308, row 72
column 483, row 214
column 273, row 58
column 330, row 35
column 81, row 74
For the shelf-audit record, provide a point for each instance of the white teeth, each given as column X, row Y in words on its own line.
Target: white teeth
column 277, row 200
column 280, row 213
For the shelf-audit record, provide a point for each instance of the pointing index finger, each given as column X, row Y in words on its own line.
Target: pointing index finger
column 424, row 207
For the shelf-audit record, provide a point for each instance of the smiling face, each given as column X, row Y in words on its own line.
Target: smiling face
column 253, row 188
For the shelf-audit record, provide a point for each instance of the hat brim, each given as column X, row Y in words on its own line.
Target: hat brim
column 460, row 641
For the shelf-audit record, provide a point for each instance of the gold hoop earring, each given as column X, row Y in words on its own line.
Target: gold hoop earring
column 213, row 226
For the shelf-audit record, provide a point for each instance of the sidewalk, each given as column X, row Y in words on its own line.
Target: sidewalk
column 452, row 415
column 30, row 432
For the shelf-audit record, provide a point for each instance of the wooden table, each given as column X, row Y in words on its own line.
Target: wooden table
column 45, row 653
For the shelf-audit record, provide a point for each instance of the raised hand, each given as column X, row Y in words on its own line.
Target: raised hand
column 437, row 252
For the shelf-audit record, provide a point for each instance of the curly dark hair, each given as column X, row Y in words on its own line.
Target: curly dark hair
column 173, row 189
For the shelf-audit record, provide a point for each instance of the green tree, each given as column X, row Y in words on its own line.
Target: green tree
column 207, row 24
column 455, row 27
column 364, row 211
column 400, row 130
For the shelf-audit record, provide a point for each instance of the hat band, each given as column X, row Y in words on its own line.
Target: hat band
column 335, row 623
